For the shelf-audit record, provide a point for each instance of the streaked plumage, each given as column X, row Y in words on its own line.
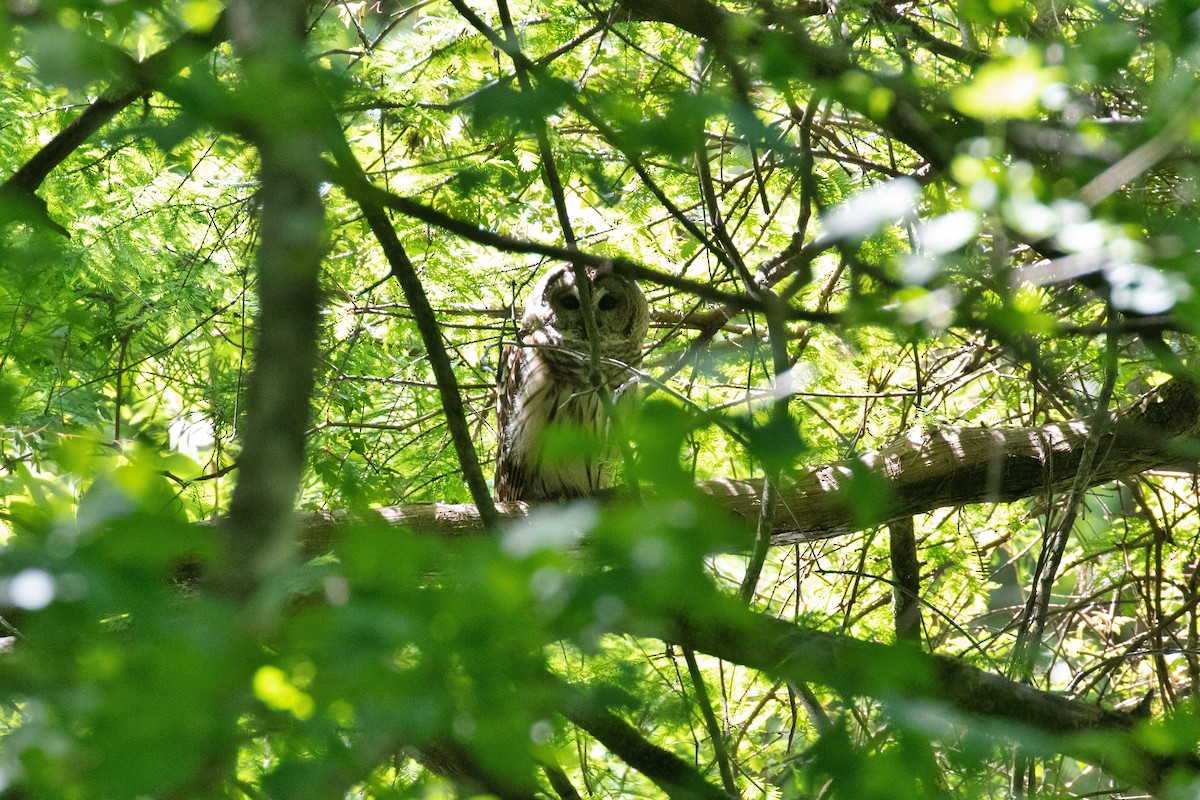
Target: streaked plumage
column 546, row 381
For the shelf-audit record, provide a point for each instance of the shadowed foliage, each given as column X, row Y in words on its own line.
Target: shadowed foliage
column 906, row 502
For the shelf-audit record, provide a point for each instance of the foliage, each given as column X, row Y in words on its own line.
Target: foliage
column 852, row 220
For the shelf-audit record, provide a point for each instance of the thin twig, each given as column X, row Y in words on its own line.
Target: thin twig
column 715, row 734
column 1037, row 607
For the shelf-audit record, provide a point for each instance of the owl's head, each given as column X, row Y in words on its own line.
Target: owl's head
column 555, row 309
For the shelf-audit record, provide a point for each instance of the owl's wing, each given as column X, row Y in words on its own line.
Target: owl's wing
column 512, row 473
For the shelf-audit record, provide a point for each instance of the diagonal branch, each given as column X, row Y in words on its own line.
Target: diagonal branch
column 677, row 778
column 958, row 691
column 21, row 185
column 405, row 273
column 905, row 117
column 919, row 473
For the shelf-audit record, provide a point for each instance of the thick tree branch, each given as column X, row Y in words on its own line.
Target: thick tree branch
column 906, row 578
column 857, row 668
column 921, row 472
column 951, row 695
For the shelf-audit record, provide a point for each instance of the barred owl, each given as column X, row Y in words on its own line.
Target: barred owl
column 547, row 381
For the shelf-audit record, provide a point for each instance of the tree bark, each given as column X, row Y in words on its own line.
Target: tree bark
column 287, row 133
column 948, row 694
column 915, row 474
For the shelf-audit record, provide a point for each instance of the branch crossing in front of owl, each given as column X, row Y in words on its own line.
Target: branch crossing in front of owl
column 547, row 394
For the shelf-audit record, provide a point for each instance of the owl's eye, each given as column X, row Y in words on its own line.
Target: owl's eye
column 609, row 302
column 570, row 302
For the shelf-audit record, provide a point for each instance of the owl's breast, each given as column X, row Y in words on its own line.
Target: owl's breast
column 547, row 403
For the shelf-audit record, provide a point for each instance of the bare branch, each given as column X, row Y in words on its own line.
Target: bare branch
column 922, row 472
